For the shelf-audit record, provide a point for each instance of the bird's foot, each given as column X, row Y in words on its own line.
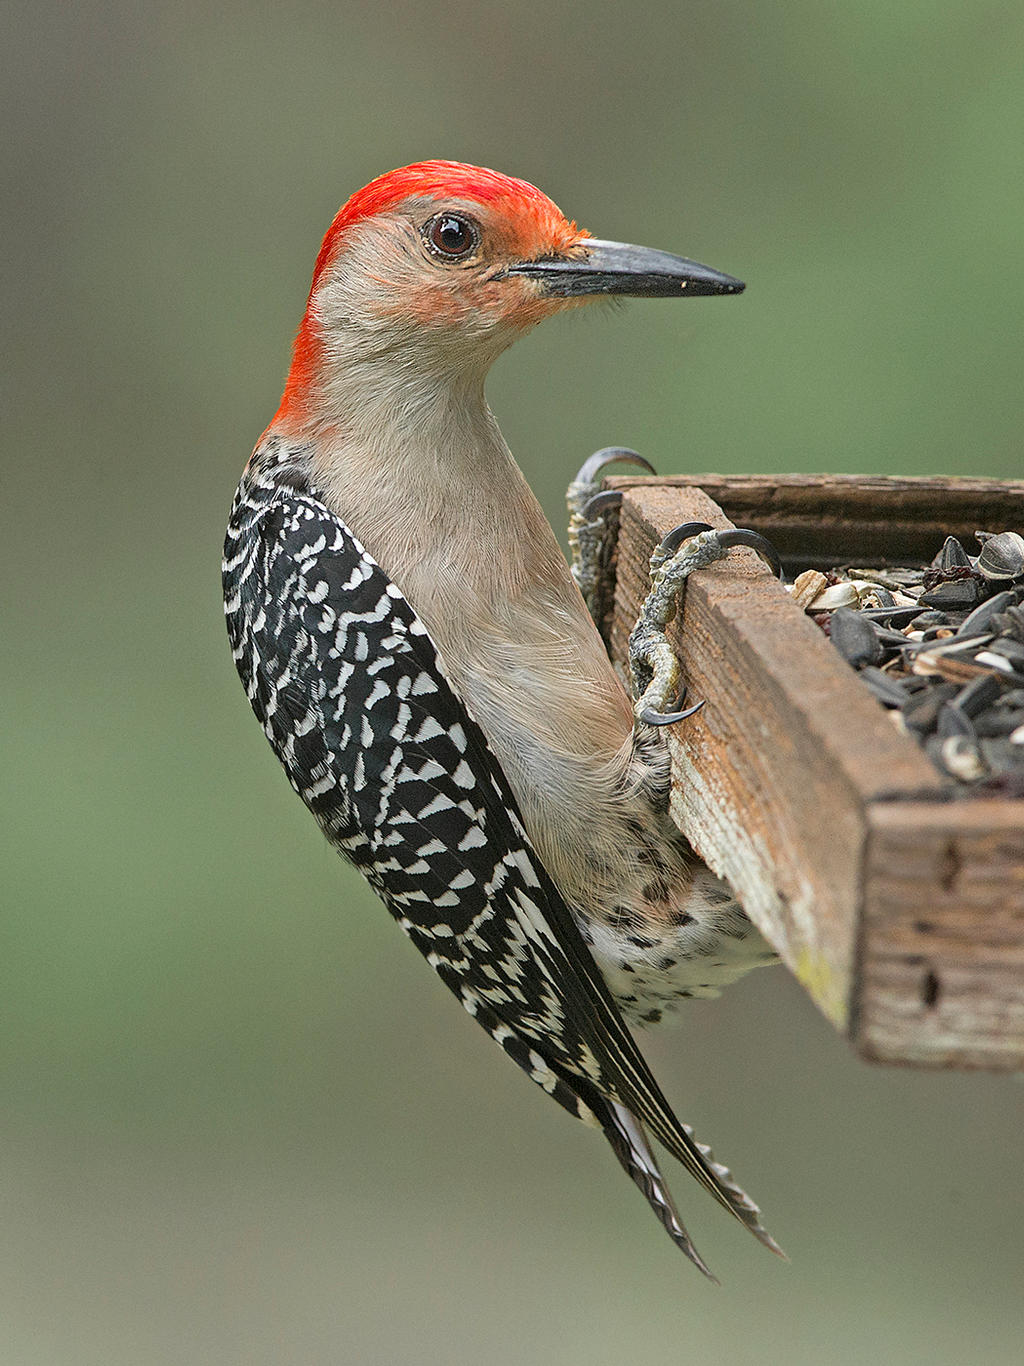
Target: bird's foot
column 655, row 668
column 592, row 521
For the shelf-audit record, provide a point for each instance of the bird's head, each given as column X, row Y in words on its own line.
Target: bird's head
column 441, row 266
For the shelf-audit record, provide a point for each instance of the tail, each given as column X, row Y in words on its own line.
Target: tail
column 732, row 1196
column 629, row 1144
column 628, row 1139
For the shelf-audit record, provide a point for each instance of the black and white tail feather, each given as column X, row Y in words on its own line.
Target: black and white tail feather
column 353, row 698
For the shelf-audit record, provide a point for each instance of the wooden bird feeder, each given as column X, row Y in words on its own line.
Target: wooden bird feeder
column 898, row 906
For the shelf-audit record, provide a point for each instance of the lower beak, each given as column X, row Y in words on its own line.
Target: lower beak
column 618, row 268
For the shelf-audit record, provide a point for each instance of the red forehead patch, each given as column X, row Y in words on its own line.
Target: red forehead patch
column 439, row 180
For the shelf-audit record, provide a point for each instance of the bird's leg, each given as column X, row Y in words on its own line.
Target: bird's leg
column 655, row 668
column 593, row 518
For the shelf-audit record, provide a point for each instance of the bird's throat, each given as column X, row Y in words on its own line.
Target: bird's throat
column 425, row 480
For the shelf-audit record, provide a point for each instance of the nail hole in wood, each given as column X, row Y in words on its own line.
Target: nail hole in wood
column 930, row 988
column 950, row 866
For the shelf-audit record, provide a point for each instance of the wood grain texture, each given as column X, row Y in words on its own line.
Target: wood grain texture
column 942, row 953
column 833, row 828
column 831, row 519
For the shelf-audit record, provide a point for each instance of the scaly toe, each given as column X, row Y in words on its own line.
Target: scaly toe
column 652, row 659
column 687, row 547
column 591, row 528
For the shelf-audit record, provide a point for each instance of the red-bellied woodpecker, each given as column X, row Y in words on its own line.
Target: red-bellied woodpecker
column 423, row 664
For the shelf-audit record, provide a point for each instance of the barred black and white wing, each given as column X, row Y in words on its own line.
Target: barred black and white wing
column 350, row 692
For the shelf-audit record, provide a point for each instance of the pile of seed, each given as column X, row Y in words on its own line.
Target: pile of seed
column 942, row 647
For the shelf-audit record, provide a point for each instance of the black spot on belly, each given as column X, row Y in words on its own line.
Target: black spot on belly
column 645, row 854
column 718, row 895
column 657, row 890
column 624, row 918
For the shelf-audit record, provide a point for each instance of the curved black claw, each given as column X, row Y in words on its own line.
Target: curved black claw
column 727, row 539
column 673, row 539
column 602, row 502
column 669, row 718
column 590, row 471
column 755, row 541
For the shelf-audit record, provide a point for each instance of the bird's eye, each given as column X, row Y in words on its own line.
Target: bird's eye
column 452, row 235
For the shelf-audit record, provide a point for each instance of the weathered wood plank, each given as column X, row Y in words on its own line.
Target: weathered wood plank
column 831, row 519
column 941, row 978
column 771, row 778
column 900, row 910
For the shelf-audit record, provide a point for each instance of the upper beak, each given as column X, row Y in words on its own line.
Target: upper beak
column 619, row 268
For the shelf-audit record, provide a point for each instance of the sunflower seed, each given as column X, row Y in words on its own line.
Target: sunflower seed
column 921, row 712
column 979, row 620
column 854, row 638
column 895, row 616
column 886, row 689
column 1002, row 556
column 979, row 695
column 962, row 757
column 952, row 721
column 1010, row 649
column 991, row 660
column 954, row 595
column 952, row 555
column 835, row 595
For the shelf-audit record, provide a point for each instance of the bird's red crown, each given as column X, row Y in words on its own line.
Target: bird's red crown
column 516, row 200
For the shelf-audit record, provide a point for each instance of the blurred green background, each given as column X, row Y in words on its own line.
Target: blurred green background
column 240, row 1122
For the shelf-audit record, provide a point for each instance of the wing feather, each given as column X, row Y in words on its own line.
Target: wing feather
column 352, row 695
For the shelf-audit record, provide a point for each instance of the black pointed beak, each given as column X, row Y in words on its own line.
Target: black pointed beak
column 619, row 268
